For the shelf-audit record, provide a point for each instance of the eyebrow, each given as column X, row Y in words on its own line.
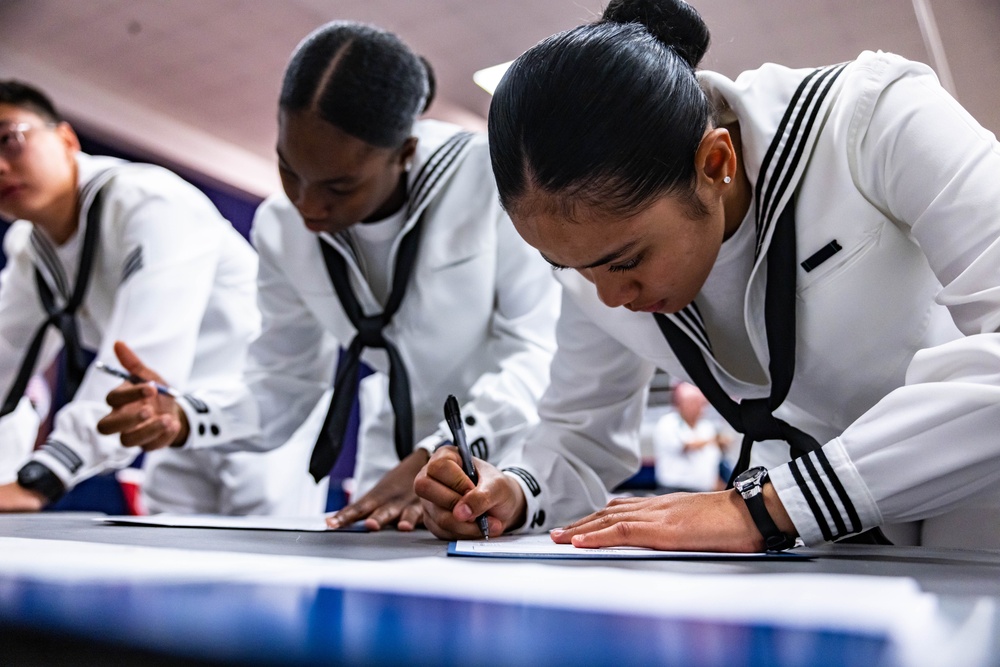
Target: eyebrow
column 340, row 180
column 607, row 259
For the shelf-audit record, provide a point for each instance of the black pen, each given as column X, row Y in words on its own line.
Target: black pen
column 453, row 416
column 135, row 379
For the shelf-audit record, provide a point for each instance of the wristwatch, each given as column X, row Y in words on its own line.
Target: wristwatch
column 750, row 485
column 36, row 477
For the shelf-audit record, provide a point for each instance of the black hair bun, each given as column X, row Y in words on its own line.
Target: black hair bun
column 674, row 22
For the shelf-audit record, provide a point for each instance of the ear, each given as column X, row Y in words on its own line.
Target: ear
column 67, row 135
column 406, row 153
column 715, row 159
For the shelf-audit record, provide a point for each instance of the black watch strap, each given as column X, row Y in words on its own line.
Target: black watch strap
column 774, row 539
column 35, row 476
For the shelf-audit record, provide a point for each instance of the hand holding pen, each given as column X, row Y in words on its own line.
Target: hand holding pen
column 135, row 379
column 144, row 409
column 453, row 416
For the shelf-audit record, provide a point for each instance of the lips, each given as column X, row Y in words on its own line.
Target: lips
column 9, row 190
column 651, row 308
column 315, row 225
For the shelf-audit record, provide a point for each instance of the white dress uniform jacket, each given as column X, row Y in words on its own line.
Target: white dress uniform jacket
column 173, row 280
column 897, row 355
column 477, row 320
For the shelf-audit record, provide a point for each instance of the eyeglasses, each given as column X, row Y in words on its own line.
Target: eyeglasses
column 12, row 138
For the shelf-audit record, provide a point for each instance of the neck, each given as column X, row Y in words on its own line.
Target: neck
column 738, row 202
column 391, row 205
column 60, row 220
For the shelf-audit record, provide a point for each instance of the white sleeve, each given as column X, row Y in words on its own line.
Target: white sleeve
column 290, row 363
column 588, row 438
column 18, row 432
column 504, row 403
column 158, row 311
column 930, row 444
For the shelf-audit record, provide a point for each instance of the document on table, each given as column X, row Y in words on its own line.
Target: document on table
column 542, row 546
column 314, row 524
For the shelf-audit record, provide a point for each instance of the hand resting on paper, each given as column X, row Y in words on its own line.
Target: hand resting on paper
column 452, row 503
column 392, row 499
column 716, row 521
column 144, row 417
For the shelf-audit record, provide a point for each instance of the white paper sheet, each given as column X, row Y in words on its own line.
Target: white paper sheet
column 295, row 523
column 542, row 546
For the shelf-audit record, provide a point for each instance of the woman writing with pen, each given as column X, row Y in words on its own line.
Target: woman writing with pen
column 388, row 244
column 816, row 249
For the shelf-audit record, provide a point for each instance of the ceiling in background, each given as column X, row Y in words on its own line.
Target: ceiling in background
column 194, row 82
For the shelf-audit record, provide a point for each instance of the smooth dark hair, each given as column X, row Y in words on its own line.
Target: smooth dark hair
column 362, row 79
column 29, row 98
column 609, row 114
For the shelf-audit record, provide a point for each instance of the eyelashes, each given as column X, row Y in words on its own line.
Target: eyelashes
column 625, row 266
column 612, row 268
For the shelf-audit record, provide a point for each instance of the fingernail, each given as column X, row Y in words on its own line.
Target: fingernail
column 556, row 532
column 463, row 513
column 332, row 522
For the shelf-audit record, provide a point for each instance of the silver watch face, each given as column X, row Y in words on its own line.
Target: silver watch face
column 750, row 479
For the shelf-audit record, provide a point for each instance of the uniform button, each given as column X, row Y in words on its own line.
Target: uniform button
column 470, row 420
column 201, row 429
column 215, row 430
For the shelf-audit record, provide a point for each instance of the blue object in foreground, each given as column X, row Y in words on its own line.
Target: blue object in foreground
column 300, row 625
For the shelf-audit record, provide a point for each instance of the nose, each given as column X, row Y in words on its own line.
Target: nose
column 311, row 204
column 613, row 290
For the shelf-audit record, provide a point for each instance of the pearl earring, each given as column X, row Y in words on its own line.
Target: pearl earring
column 727, row 180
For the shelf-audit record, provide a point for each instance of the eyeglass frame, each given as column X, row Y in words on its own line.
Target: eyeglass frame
column 17, row 130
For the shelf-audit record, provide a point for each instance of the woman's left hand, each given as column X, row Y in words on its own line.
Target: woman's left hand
column 717, row 521
column 392, row 499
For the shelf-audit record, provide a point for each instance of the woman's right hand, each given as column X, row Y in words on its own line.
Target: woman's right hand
column 144, row 417
column 452, row 503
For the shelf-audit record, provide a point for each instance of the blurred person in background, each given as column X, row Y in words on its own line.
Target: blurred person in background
column 686, row 444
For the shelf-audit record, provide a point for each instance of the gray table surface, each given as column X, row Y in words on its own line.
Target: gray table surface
column 947, row 572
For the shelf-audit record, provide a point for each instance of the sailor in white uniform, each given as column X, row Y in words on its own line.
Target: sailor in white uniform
column 818, row 250
column 388, row 248
column 105, row 250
